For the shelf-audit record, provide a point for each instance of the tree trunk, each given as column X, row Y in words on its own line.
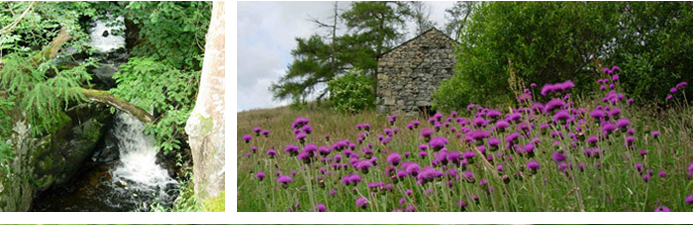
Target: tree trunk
column 205, row 127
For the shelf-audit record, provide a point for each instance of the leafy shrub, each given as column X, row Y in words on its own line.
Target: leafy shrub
column 171, row 32
column 352, row 92
column 548, row 42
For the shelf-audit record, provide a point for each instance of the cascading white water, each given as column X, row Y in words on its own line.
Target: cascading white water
column 137, row 171
column 110, row 42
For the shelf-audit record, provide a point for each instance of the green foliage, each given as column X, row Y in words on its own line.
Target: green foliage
column 6, row 105
column 42, row 97
column 38, row 27
column 655, row 45
column 312, row 65
column 381, row 22
column 550, row 42
column 352, row 92
column 172, row 33
column 158, row 87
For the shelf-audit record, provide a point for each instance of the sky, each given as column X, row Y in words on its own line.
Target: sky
column 266, row 36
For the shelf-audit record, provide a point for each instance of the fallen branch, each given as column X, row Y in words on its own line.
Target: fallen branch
column 113, row 101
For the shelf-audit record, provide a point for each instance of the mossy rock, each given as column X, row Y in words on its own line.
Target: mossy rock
column 215, row 204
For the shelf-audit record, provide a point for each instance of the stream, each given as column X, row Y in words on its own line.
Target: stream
column 125, row 173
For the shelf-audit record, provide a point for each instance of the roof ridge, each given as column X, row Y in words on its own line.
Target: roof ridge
column 416, row 37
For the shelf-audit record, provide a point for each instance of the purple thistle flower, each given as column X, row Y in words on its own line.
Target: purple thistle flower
column 468, row 155
column 477, row 134
column 332, row 192
column 502, row 124
column 247, row 138
column 468, row 175
column 662, row 209
column 562, row 115
column 438, row 142
column 689, row 200
column 291, row 149
column 423, row 154
column 300, row 136
column 622, row 123
column 284, row 179
column 493, row 142
column 669, row 97
column 362, row 202
column 265, row 133
column 493, row 113
column 558, row 157
column 512, row 137
column 254, row 149
column 320, row 208
column 426, row 132
column 673, row 90
column 553, row 104
column 354, row 179
column 423, row 147
column 257, row 130
column 410, row 208
column 630, row 101
column 547, row 88
column 681, row 85
column 260, row 175
column 533, row 165
column 655, row 133
column 643, row 152
column 646, row 177
column 271, row 152
column 662, row 173
column 614, row 78
column 608, row 127
column 638, row 167
column 394, row 158
column 607, row 70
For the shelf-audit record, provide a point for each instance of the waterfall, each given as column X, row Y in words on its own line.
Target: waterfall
column 108, row 42
column 137, row 172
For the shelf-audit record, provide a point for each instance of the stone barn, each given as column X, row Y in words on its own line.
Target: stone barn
column 410, row 73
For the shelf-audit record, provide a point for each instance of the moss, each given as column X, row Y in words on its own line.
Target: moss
column 215, row 204
column 62, row 124
column 206, row 124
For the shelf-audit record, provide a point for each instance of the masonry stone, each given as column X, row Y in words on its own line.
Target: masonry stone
column 410, row 73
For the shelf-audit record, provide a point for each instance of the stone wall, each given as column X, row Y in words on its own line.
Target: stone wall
column 409, row 74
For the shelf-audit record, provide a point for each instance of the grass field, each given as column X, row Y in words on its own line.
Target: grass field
column 561, row 156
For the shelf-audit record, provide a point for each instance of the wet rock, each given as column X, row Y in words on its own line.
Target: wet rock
column 60, row 153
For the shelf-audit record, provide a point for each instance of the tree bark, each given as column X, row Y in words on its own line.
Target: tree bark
column 113, row 101
column 205, row 126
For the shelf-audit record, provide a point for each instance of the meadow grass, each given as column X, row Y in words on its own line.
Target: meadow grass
column 609, row 180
